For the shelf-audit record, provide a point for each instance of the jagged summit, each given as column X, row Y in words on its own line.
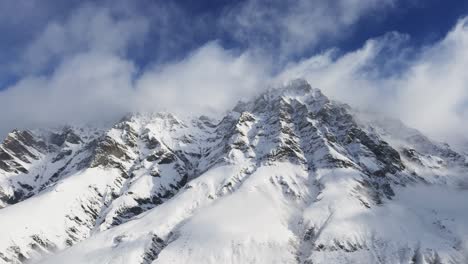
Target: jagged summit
column 287, row 177
column 298, row 88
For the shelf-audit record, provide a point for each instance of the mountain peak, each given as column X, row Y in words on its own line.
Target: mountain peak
column 299, row 85
column 297, row 89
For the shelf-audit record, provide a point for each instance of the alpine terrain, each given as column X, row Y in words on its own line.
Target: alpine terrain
column 288, row 177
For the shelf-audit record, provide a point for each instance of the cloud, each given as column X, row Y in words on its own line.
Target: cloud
column 209, row 80
column 433, row 95
column 81, row 69
column 358, row 76
column 96, row 86
column 290, row 27
column 20, row 21
column 87, row 87
column 427, row 88
column 89, row 28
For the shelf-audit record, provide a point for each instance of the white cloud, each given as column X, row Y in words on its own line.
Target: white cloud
column 353, row 77
column 89, row 28
column 429, row 92
column 87, row 87
column 96, row 86
column 211, row 79
column 290, row 27
column 433, row 95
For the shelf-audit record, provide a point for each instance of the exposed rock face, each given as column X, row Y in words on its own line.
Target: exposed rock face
column 154, row 184
column 65, row 136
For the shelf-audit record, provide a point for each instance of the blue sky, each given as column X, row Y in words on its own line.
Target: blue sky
column 117, row 56
column 22, row 21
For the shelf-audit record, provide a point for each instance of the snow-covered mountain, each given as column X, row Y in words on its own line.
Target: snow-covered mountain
column 288, row 177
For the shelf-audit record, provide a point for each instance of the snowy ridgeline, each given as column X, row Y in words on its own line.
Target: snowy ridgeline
column 289, row 177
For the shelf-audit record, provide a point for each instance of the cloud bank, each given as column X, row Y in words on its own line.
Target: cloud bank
column 428, row 90
column 290, row 27
column 82, row 68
